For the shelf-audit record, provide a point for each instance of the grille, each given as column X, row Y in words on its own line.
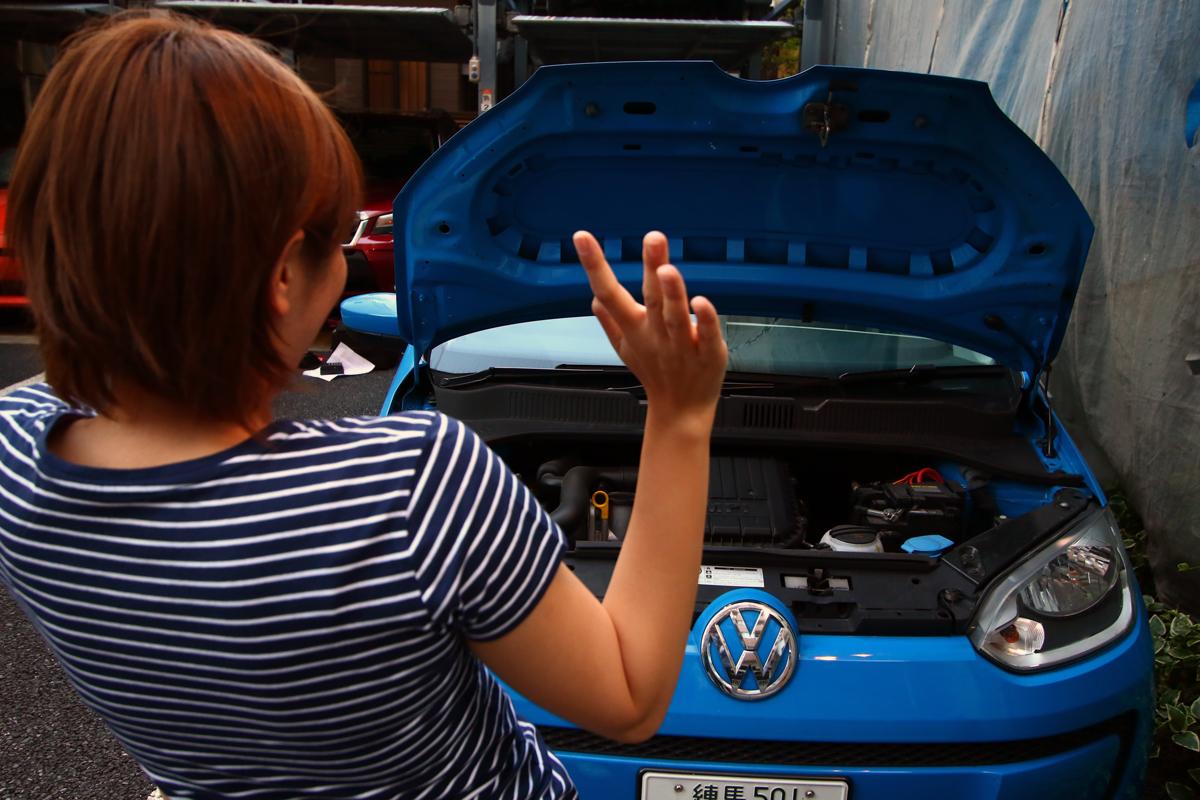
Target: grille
column 740, row 751
column 768, row 415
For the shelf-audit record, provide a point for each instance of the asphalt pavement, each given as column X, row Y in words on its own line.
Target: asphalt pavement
column 51, row 745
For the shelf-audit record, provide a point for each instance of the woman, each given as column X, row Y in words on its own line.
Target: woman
column 273, row 609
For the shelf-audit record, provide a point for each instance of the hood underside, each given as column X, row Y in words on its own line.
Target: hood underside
column 903, row 202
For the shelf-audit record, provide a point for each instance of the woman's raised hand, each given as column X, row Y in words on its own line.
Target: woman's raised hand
column 617, row 662
column 680, row 363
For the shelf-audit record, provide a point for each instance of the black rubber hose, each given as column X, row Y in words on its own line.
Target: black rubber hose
column 577, row 487
column 550, row 475
column 556, row 468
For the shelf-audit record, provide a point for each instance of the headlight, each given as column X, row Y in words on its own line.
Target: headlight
column 1067, row 600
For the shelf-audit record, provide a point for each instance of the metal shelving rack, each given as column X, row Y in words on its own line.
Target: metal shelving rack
column 488, row 34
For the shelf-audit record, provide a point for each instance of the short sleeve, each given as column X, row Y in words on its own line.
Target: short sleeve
column 486, row 550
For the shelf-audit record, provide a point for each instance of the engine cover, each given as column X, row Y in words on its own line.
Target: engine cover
column 750, row 503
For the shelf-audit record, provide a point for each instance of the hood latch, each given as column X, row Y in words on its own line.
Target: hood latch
column 825, row 118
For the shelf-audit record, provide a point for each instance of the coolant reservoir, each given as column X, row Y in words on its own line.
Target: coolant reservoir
column 852, row 539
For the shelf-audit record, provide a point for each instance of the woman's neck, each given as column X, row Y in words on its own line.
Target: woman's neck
column 141, row 430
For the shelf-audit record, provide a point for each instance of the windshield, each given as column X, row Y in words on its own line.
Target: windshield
column 756, row 344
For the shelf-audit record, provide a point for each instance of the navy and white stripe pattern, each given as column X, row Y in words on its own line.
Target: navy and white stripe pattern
column 288, row 618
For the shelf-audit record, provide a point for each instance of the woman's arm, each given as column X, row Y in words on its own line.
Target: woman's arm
column 612, row 667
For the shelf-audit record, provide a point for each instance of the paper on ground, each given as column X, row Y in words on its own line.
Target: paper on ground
column 352, row 364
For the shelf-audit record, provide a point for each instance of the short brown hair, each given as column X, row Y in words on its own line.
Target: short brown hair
column 163, row 170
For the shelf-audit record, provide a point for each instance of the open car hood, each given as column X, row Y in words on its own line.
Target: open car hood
column 889, row 200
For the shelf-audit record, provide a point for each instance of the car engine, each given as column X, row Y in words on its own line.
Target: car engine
column 757, row 502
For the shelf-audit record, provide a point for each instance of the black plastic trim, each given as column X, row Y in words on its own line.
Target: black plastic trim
column 839, row 754
column 889, row 594
column 972, row 434
column 988, row 555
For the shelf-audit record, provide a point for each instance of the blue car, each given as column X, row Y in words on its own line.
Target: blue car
column 912, row 584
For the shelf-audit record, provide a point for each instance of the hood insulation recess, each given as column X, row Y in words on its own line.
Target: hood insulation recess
column 907, row 203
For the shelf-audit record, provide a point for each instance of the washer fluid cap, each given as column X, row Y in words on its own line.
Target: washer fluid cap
column 932, row 545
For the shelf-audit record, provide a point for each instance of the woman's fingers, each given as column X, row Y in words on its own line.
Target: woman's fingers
column 708, row 326
column 611, row 329
column 654, row 255
column 625, row 311
column 675, row 315
column 667, row 309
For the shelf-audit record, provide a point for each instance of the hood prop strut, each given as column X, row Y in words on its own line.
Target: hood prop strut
column 1048, row 443
column 1040, row 376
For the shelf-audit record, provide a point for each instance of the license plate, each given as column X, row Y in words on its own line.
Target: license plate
column 709, row 786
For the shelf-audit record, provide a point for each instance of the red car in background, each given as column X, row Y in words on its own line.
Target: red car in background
column 392, row 147
column 12, row 288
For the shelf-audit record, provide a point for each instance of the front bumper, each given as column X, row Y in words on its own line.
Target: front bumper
column 899, row 717
column 1082, row 773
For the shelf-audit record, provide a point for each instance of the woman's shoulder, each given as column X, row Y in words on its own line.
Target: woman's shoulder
column 406, row 426
column 27, row 413
column 28, row 409
column 409, row 447
column 411, row 431
column 33, row 400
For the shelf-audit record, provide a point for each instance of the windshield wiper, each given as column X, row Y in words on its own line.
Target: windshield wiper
column 504, row 374
column 733, row 381
column 897, row 381
column 924, row 373
column 921, row 374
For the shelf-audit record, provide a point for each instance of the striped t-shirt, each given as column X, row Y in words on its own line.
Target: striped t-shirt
column 288, row 618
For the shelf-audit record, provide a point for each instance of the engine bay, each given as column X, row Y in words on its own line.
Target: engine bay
column 780, row 503
column 853, row 540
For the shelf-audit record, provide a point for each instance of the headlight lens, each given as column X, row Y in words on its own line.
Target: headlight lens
column 1067, row 600
column 383, row 224
column 1076, row 579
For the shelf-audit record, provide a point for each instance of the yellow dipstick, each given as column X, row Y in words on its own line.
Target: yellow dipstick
column 600, row 503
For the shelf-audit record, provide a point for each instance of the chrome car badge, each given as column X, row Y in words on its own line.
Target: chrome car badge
column 751, row 674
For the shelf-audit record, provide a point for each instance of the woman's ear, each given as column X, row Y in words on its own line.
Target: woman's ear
column 282, row 290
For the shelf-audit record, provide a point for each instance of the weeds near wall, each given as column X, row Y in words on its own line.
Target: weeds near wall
column 1174, row 770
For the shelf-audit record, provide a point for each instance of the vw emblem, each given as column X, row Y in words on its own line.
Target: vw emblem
column 735, row 656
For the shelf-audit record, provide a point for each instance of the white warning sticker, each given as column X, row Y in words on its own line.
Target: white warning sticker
column 731, row 576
